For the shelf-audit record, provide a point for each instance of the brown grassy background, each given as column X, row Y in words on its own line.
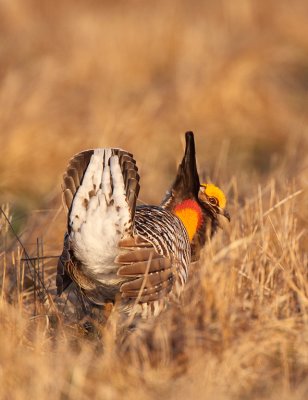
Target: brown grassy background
column 137, row 75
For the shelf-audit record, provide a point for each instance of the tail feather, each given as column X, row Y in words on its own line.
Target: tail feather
column 67, row 198
column 78, row 168
column 100, row 190
column 73, row 173
column 73, row 176
column 130, row 178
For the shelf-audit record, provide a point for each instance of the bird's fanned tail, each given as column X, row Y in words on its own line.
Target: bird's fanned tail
column 100, row 190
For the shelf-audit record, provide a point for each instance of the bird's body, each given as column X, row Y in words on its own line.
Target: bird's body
column 115, row 250
column 110, row 241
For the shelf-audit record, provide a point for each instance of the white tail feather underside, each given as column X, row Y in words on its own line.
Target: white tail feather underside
column 100, row 214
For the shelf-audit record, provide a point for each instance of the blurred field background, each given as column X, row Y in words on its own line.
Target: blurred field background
column 137, row 75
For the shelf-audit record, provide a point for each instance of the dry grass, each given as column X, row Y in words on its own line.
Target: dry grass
column 137, row 75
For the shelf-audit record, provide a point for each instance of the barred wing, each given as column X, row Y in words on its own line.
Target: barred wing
column 159, row 256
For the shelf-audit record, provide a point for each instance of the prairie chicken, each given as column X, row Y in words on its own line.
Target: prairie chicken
column 140, row 255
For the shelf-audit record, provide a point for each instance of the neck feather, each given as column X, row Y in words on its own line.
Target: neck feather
column 190, row 214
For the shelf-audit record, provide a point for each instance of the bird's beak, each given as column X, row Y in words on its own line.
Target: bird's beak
column 187, row 179
column 222, row 217
column 226, row 215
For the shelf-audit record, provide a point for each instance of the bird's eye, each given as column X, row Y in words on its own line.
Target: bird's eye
column 213, row 201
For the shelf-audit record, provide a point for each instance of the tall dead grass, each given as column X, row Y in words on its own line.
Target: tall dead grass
column 137, row 75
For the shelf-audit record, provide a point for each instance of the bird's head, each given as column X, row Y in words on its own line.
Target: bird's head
column 198, row 205
column 214, row 199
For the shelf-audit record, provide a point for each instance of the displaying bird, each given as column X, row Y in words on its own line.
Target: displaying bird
column 137, row 255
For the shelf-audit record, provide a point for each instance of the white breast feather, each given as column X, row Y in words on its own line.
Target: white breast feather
column 97, row 228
